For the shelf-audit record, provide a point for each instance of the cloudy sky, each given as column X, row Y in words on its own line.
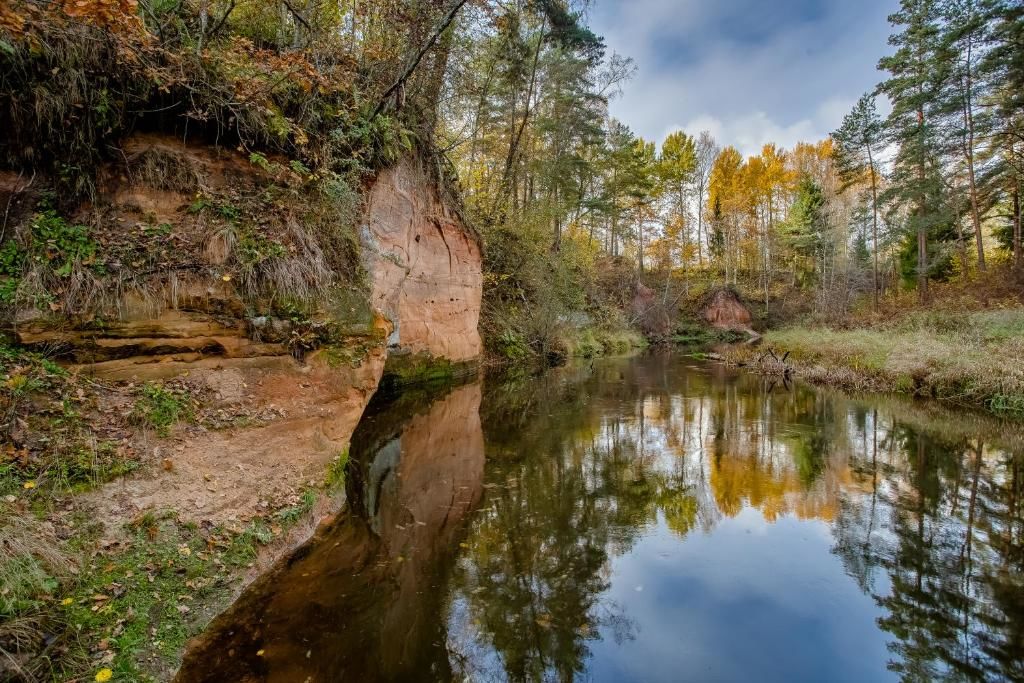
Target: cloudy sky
column 750, row 71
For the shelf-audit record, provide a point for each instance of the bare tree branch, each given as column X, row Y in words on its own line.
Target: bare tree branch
column 419, row 57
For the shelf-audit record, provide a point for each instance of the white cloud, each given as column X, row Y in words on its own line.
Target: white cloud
column 787, row 72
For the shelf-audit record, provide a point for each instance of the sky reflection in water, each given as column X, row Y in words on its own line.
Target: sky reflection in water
column 653, row 519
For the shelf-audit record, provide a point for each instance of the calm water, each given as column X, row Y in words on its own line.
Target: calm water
column 650, row 519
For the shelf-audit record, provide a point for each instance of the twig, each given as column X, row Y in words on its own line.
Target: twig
column 297, row 16
column 419, row 57
column 231, row 8
column 7, row 211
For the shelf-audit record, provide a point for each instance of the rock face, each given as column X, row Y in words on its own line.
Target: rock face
column 225, row 475
column 425, row 267
column 724, row 310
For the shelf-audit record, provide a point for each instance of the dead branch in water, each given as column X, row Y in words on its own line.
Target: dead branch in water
column 769, row 363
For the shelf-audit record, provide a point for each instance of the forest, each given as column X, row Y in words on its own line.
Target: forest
column 511, row 100
column 204, row 201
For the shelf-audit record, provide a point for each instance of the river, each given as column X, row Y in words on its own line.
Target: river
column 650, row 519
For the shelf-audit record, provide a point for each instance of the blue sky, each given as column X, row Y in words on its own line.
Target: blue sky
column 750, row 71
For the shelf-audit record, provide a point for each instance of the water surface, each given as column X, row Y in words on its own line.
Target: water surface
column 650, row 519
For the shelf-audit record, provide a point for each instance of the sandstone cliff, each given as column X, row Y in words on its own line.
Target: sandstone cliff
column 229, row 272
column 425, row 267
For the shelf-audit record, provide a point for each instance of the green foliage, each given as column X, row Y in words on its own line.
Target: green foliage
column 372, row 143
column 60, row 244
column 254, row 248
column 12, row 264
column 337, row 471
column 511, row 346
column 161, row 408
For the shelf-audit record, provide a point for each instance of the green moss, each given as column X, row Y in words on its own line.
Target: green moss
column 409, row 369
column 337, row 472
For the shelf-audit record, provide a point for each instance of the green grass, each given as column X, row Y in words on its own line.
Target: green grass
column 969, row 358
column 161, row 408
column 50, row 444
column 145, row 599
column 591, row 342
column 138, row 604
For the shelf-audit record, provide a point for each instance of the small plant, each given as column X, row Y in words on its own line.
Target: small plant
column 336, row 472
column 512, row 346
column 161, row 408
column 260, row 161
column 254, row 248
column 227, row 211
column 292, row 514
column 12, row 264
column 61, row 244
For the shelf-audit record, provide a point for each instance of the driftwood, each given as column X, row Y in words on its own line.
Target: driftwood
column 770, row 364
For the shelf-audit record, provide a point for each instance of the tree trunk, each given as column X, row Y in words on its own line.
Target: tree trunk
column 874, row 226
column 1017, row 262
column 922, row 232
column 969, row 151
column 700, row 224
column 513, row 149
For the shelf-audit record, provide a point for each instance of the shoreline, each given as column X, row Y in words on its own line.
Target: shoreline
column 964, row 360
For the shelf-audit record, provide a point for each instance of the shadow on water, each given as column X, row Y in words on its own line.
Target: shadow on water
column 651, row 519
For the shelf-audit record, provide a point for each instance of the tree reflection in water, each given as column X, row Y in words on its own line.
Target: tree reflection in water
column 514, row 570
column 925, row 516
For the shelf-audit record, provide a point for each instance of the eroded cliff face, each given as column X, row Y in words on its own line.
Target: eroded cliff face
column 169, row 220
column 425, row 266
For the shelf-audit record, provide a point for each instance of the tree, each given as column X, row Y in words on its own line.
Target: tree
column 915, row 76
column 858, row 140
column 676, row 169
column 1003, row 67
column 959, row 96
column 725, row 199
column 706, row 150
column 805, row 227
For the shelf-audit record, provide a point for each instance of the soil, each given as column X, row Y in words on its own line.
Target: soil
column 281, row 429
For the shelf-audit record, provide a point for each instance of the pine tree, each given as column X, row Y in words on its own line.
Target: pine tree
column 858, row 142
column 964, row 123
column 1003, row 68
column 915, row 76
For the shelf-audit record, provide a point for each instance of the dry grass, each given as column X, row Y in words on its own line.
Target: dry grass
column 163, row 170
column 970, row 358
column 31, row 568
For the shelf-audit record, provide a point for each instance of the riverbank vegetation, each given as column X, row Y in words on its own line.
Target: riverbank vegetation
column 958, row 357
column 857, row 252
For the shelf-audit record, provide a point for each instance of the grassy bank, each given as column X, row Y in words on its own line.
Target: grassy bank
column 969, row 358
column 77, row 605
column 83, row 598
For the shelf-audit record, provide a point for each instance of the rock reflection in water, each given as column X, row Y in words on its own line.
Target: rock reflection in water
column 362, row 599
column 654, row 519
